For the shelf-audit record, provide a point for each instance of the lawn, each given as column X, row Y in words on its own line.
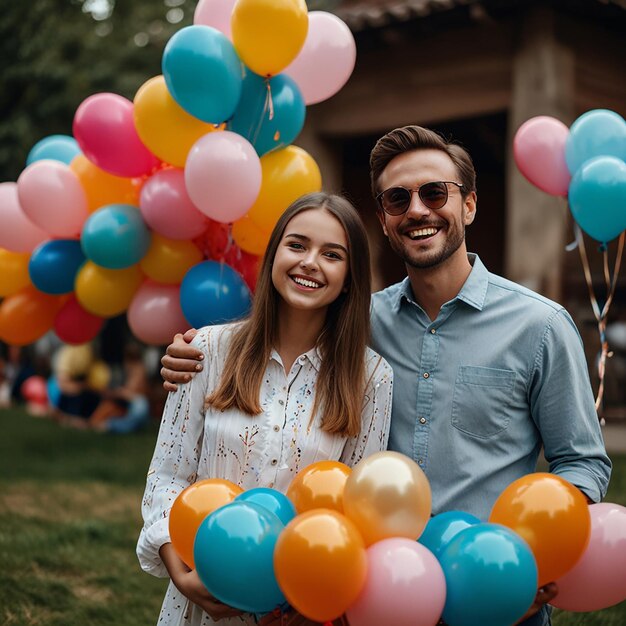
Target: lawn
column 69, row 519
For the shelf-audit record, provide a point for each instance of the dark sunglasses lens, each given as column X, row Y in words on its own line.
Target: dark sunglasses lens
column 396, row 200
column 434, row 195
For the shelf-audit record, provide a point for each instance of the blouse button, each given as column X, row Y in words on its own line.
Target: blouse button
column 281, row 402
column 276, row 428
column 274, row 461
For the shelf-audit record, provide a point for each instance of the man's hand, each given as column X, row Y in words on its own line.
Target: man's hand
column 180, row 361
column 544, row 595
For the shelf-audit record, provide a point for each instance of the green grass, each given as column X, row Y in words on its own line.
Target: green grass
column 69, row 520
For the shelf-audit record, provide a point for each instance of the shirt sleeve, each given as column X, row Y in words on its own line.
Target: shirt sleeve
column 563, row 408
column 174, row 464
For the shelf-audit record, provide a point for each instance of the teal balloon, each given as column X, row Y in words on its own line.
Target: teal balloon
column 596, row 133
column 442, row 528
column 61, row 148
column 54, row 264
column 271, row 112
column 274, row 501
column 115, row 236
column 597, row 197
column 203, row 73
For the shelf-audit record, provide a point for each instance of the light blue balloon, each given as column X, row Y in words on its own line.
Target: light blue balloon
column 491, row 577
column 54, row 264
column 269, row 125
column 54, row 392
column 203, row 73
column 274, row 501
column 213, row 293
column 115, row 236
column 596, row 133
column 55, row 147
column 597, row 197
column 442, row 528
column 234, row 556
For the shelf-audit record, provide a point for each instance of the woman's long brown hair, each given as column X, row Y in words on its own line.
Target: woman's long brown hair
column 340, row 389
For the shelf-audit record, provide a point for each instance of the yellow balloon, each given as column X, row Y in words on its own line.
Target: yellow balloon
column 13, row 272
column 250, row 237
column 268, row 34
column 287, row 174
column 106, row 292
column 164, row 127
column 99, row 376
column 168, row 260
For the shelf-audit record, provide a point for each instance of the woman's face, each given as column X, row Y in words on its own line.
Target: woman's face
column 311, row 264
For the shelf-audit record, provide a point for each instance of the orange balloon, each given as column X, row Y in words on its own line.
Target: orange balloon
column 168, row 260
column 551, row 515
column 249, row 237
column 320, row 564
column 13, row 272
column 191, row 506
column 319, row 486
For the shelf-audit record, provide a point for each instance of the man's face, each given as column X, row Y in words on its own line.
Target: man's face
column 423, row 237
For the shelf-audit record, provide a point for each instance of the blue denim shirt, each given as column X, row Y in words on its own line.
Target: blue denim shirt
column 478, row 390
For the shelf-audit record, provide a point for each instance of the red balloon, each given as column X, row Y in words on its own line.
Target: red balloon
column 74, row 325
column 34, row 390
column 248, row 265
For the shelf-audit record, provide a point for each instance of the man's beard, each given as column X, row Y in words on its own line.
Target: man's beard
column 428, row 260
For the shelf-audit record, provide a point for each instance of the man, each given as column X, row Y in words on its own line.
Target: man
column 485, row 371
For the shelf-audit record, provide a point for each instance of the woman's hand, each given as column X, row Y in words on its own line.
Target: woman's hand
column 180, row 361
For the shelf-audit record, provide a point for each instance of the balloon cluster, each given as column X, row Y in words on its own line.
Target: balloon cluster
column 161, row 207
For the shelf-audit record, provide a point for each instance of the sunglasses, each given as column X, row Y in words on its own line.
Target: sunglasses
column 396, row 200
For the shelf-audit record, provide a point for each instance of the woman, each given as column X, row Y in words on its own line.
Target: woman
column 291, row 385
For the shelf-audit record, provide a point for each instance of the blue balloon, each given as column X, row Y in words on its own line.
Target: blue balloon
column 56, row 147
column 491, row 577
column 596, row 133
column 54, row 393
column 274, row 501
column 442, row 528
column 213, row 293
column 54, row 264
column 597, row 197
column 115, row 236
column 203, row 73
column 234, row 556
column 269, row 126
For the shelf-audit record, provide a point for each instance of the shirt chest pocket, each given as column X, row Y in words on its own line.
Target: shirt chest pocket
column 482, row 400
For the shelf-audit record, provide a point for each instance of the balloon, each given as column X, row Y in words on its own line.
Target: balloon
column 115, row 236
column 105, row 131
column 319, row 486
column 215, row 13
column 54, row 265
column 163, row 126
column 103, row 188
column 326, row 60
column 223, row 176
column 441, row 529
column 34, row 389
column 387, row 495
column 597, row 197
column 248, row 265
column 192, row 505
column 320, row 564
column 74, row 325
column 13, row 272
column 539, row 151
column 18, row 232
column 551, row 515
column 52, row 197
column 213, row 293
column 249, row 237
column 167, row 208
column 287, row 174
column 55, row 147
column 168, row 260
column 106, row 292
column 598, row 580
column 233, row 556
column 155, row 315
column 270, row 114
column 99, row 376
column 54, row 393
column 595, row 133
column 268, row 34
column 274, row 501
column 215, row 240
column 491, row 577
column 203, row 73
column 405, row 586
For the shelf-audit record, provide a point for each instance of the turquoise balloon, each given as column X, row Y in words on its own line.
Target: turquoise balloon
column 55, row 147
column 203, row 73
column 271, row 112
column 115, row 236
column 274, row 501
column 54, row 264
column 442, row 528
column 597, row 197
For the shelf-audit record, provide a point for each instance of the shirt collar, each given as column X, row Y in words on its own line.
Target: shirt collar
column 313, row 356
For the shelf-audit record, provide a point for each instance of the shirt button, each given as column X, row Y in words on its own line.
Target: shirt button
column 433, row 331
column 426, row 375
column 276, row 428
column 422, row 420
column 421, row 462
column 281, row 402
column 274, row 461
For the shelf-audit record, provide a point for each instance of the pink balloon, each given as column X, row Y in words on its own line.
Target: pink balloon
column 17, row 232
column 223, row 175
column 52, row 196
column 167, row 208
column 539, row 151
column 598, row 580
column 104, row 128
column 405, row 586
column 74, row 325
column 155, row 315
column 326, row 60
column 215, row 13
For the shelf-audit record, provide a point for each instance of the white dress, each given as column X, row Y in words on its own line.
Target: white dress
column 265, row 450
